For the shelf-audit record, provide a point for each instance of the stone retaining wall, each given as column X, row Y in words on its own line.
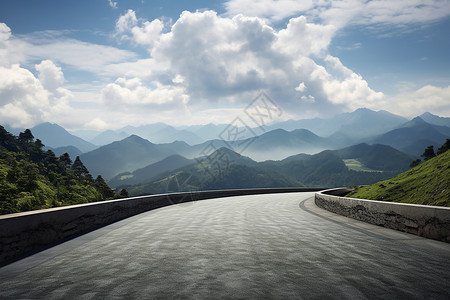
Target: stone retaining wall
column 423, row 220
column 25, row 232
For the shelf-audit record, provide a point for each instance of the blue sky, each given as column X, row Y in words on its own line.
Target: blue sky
column 107, row 64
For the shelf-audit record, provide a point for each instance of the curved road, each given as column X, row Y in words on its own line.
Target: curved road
column 259, row 246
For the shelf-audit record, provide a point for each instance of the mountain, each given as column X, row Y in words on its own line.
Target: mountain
column 108, row 136
column 435, row 120
column 170, row 134
column 428, row 183
column 225, row 168
column 162, row 133
column 207, row 132
column 336, row 167
column 413, row 136
column 147, row 173
column 279, row 144
column 361, row 123
column 377, row 157
column 14, row 131
column 71, row 150
column 128, row 155
column 54, row 136
column 86, row 135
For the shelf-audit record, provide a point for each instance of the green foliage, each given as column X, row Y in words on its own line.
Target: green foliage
column 428, row 153
column 123, row 194
column 225, row 169
column 415, row 163
column 444, row 147
column 31, row 178
column 427, row 183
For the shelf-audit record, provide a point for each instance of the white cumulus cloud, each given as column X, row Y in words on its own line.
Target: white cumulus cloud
column 26, row 100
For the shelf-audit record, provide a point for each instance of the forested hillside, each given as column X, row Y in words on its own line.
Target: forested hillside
column 31, row 178
column 226, row 169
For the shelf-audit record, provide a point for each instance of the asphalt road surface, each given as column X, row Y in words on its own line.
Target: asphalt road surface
column 259, row 247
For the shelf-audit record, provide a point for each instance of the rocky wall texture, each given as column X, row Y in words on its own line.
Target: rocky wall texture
column 427, row 221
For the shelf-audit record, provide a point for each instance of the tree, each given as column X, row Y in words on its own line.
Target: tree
column 444, row 147
column 103, row 188
column 415, row 163
column 7, row 140
column 123, row 193
column 428, row 153
column 26, row 137
column 80, row 170
column 65, row 161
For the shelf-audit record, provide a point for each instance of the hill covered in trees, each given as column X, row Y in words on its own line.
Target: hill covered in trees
column 427, row 183
column 31, row 178
column 225, row 169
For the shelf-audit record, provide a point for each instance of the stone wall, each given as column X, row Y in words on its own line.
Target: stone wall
column 23, row 233
column 427, row 221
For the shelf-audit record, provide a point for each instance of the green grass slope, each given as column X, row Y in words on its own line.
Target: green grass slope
column 428, row 183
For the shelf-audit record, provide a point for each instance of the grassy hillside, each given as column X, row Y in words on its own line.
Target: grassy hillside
column 428, row 183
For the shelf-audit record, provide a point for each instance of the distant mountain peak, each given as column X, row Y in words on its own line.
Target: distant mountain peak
column 415, row 122
column 427, row 114
column 364, row 109
column 136, row 138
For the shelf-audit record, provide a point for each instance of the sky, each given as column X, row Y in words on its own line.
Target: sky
column 104, row 64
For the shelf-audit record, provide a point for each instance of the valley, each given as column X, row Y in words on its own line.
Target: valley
column 357, row 148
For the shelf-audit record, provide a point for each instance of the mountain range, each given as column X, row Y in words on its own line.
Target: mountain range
column 227, row 169
column 286, row 139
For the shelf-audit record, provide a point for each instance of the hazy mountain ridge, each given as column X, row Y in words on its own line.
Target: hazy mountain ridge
column 134, row 152
column 147, row 173
column 53, row 135
column 225, row 169
column 435, row 120
column 414, row 136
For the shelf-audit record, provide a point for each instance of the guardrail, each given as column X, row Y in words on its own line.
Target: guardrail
column 423, row 220
column 27, row 232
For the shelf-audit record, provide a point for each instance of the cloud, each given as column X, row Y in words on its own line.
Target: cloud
column 426, row 99
column 340, row 13
column 5, row 33
column 57, row 47
column 142, row 32
column 77, row 54
column 9, row 53
column 200, row 65
column 132, row 92
column 98, row 124
column 274, row 10
column 24, row 100
column 112, row 4
column 50, row 76
column 301, row 37
column 227, row 61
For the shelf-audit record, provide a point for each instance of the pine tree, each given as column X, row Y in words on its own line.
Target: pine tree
column 444, row 147
column 80, row 170
column 65, row 161
column 26, row 137
column 428, row 153
column 103, row 188
column 123, row 193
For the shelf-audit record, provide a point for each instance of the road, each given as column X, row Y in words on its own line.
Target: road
column 260, row 246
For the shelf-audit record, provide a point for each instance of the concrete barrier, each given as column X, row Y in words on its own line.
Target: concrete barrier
column 423, row 220
column 23, row 233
